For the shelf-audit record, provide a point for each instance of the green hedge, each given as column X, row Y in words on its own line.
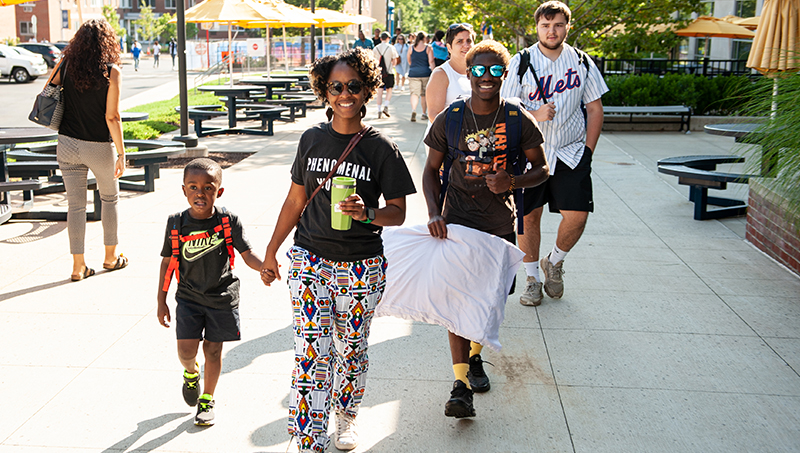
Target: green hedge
column 717, row 96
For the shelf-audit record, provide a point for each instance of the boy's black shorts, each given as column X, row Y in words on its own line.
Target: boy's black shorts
column 387, row 82
column 568, row 189
column 191, row 319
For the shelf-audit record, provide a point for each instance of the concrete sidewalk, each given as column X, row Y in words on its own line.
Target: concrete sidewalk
column 673, row 335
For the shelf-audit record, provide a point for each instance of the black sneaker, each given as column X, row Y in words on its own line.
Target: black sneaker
column 205, row 411
column 191, row 387
column 478, row 379
column 460, row 403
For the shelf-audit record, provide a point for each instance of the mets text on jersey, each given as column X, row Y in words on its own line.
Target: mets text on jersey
column 571, row 80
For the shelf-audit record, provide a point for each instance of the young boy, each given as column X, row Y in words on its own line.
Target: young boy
column 198, row 248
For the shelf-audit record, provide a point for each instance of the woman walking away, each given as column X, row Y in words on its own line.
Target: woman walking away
column 337, row 276
column 440, row 54
column 402, row 69
column 90, row 137
column 420, row 58
column 449, row 81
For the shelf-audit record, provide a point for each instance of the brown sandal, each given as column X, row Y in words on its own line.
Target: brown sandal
column 87, row 272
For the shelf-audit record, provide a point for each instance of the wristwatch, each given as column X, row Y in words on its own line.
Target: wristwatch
column 370, row 213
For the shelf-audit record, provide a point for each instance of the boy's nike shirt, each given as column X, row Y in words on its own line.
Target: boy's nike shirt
column 204, row 265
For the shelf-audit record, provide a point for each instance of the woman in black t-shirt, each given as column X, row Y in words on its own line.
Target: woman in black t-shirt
column 336, row 278
column 90, row 136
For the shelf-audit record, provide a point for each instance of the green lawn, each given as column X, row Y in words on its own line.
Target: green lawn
column 163, row 117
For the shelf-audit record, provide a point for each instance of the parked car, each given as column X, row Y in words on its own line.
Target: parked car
column 20, row 64
column 61, row 45
column 50, row 52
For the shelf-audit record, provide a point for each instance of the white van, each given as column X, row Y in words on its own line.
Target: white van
column 20, row 64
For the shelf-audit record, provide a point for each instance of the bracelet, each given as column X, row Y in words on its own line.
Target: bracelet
column 513, row 182
column 366, row 221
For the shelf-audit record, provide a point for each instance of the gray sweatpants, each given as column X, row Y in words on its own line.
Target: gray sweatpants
column 75, row 158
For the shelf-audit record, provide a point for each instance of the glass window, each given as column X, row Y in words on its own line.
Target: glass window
column 745, row 8
column 169, row 4
column 700, row 48
column 25, row 28
column 741, row 49
column 125, row 4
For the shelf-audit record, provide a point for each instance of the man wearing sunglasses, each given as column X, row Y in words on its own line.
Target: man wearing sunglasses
column 478, row 155
column 558, row 80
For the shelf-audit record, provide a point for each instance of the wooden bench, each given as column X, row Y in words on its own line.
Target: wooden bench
column 682, row 110
column 699, row 173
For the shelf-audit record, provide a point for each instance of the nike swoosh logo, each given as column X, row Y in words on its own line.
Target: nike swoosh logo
column 195, row 249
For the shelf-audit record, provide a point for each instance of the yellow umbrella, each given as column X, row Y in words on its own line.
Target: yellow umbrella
column 13, row 2
column 777, row 37
column 714, row 27
column 230, row 11
column 330, row 18
column 750, row 23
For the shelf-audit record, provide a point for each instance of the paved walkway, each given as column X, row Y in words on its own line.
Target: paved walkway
column 673, row 335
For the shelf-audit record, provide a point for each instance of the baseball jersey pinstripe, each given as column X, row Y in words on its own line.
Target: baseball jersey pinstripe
column 566, row 83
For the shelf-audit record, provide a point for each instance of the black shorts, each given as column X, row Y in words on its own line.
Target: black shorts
column 191, row 319
column 568, row 189
column 388, row 82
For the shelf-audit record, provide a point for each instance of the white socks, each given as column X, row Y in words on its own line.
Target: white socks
column 557, row 255
column 532, row 269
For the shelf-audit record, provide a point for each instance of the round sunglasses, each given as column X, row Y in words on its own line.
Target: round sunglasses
column 353, row 86
column 496, row 70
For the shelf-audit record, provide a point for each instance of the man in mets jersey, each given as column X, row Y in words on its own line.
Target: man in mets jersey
column 558, row 81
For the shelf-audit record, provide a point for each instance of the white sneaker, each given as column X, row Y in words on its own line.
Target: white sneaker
column 346, row 434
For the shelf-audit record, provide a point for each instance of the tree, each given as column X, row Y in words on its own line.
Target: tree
column 147, row 24
column 593, row 21
column 111, row 16
column 409, row 15
column 166, row 29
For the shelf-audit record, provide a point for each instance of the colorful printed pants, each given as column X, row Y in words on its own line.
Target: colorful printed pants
column 333, row 304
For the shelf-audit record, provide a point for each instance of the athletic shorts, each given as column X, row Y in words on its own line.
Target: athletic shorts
column 388, row 82
column 568, row 189
column 416, row 85
column 191, row 319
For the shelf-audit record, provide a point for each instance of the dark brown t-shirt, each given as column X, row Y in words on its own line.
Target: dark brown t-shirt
column 469, row 201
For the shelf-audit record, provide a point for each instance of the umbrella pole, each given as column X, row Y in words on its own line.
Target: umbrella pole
column 230, row 55
column 285, row 55
column 269, row 72
column 323, row 41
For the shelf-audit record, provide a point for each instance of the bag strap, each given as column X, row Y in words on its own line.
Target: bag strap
column 353, row 142
column 59, row 71
column 453, row 121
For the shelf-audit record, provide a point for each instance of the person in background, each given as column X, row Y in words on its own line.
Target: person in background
column 376, row 37
column 156, row 53
column 401, row 46
column 362, row 41
column 337, row 277
column 90, row 137
column 173, row 51
column 397, row 32
column 449, row 81
column 440, row 53
column 486, row 30
column 420, row 57
column 390, row 58
column 136, row 51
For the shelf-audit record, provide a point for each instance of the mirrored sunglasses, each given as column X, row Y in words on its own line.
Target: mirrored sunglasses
column 496, row 70
column 465, row 25
column 353, row 86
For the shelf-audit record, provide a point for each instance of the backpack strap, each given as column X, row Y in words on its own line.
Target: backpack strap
column 174, row 236
column 453, row 121
column 514, row 154
column 524, row 65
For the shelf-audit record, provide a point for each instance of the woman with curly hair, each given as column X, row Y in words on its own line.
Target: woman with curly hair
column 90, row 137
column 336, row 277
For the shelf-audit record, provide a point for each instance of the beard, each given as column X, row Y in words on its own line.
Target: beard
column 544, row 44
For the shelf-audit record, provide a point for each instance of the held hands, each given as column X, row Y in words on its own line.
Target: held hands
column 354, row 207
column 545, row 113
column 437, row 227
column 270, row 270
column 119, row 166
column 499, row 182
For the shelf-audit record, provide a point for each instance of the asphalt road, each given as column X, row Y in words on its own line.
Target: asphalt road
column 18, row 97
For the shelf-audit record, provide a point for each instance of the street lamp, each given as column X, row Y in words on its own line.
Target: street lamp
column 389, row 16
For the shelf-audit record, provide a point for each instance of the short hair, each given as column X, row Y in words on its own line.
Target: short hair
column 455, row 29
column 384, row 35
column 203, row 164
column 489, row 46
column 550, row 9
column 361, row 60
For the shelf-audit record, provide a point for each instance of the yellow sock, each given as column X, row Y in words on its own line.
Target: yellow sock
column 474, row 348
column 460, row 370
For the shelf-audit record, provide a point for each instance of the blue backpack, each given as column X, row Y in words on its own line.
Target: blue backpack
column 514, row 155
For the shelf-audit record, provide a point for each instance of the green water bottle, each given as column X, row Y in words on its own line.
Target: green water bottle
column 341, row 188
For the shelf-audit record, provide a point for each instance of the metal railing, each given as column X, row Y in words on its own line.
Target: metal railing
column 217, row 68
column 704, row 67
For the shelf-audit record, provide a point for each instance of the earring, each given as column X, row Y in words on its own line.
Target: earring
column 329, row 113
column 363, row 111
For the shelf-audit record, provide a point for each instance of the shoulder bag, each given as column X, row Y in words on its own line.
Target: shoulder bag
column 48, row 109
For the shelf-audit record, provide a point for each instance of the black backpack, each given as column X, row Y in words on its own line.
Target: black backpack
column 525, row 64
column 514, row 155
column 385, row 74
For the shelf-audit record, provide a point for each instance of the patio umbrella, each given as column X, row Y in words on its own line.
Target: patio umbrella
column 750, row 23
column 714, row 27
column 290, row 16
column 230, row 11
column 13, row 2
column 330, row 18
column 774, row 48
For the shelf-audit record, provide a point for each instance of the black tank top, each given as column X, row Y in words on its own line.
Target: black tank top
column 85, row 112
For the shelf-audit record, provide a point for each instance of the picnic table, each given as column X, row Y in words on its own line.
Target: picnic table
column 9, row 138
column 231, row 94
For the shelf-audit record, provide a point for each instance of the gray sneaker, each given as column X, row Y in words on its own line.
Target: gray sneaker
column 424, row 117
column 553, row 277
column 413, row 117
column 205, row 411
column 386, row 111
column 532, row 297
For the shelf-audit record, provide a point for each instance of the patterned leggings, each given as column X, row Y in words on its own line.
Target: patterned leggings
column 333, row 304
